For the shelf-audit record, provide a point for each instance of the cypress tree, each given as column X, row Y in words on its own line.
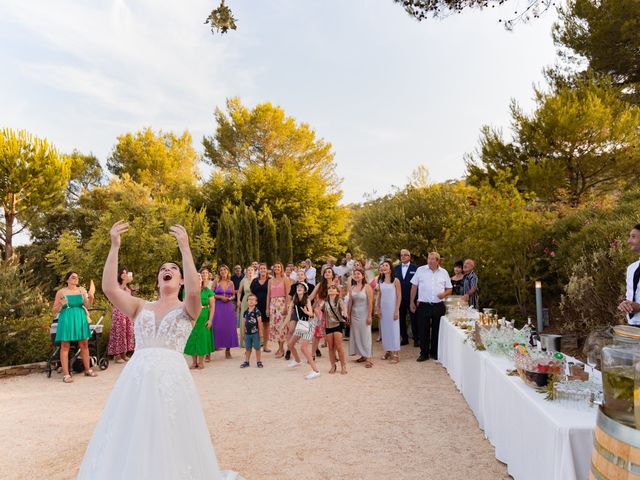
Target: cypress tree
column 225, row 238
column 285, row 242
column 269, row 247
column 255, row 235
column 243, row 236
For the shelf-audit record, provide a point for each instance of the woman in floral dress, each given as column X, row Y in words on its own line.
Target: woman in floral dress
column 121, row 339
column 277, row 307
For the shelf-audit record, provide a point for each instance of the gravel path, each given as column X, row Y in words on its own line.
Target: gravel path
column 404, row 421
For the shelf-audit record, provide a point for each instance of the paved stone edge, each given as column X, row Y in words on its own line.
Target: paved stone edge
column 26, row 369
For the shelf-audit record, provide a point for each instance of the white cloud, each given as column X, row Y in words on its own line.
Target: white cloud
column 125, row 64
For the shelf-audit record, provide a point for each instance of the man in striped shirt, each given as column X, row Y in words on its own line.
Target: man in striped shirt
column 470, row 284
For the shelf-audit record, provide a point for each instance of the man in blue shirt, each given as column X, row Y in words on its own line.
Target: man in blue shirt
column 470, row 284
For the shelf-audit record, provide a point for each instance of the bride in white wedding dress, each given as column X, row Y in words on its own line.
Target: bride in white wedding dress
column 152, row 426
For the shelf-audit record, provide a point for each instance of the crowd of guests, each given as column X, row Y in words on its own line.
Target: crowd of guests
column 296, row 307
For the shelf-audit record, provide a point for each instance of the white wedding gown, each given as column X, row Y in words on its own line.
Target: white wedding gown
column 153, row 426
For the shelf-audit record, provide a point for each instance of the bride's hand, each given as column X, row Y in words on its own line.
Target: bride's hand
column 181, row 235
column 118, row 229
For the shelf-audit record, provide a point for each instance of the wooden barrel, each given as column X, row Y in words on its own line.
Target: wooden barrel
column 616, row 451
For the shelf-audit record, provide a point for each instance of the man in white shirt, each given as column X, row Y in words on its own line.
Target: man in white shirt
column 432, row 284
column 310, row 271
column 631, row 304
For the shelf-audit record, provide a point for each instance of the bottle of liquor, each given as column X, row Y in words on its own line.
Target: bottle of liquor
column 533, row 338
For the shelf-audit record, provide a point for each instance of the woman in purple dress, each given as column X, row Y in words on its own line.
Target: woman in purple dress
column 225, row 333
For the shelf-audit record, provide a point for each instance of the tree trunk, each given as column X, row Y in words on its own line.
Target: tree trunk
column 9, row 219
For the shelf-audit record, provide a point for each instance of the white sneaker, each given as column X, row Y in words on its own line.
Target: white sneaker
column 312, row 375
column 294, row 364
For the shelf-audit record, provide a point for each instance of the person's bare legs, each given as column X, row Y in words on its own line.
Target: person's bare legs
column 84, row 353
column 195, row 362
column 265, row 336
column 337, row 341
column 293, row 349
column 332, row 351
column 64, row 357
column 308, row 356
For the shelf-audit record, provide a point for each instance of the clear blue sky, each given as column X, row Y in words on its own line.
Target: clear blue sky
column 388, row 92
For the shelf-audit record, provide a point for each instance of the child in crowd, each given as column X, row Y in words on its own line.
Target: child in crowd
column 300, row 310
column 252, row 331
column 335, row 314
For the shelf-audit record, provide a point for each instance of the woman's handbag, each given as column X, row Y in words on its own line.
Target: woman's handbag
column 303, row 326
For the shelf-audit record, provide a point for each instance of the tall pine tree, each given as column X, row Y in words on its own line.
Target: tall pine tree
column 269, row 243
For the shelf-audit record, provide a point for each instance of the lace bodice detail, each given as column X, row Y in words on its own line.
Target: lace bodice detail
column 170, row 332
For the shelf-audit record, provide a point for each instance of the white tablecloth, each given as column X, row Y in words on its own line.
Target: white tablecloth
column 537, row 439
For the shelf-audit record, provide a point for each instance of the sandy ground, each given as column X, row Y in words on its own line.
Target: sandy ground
column 404, row 421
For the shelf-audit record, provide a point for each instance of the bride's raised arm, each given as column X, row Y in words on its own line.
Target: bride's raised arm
column 126, row 303
column 192, row 302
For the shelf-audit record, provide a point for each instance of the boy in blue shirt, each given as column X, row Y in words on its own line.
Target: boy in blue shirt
column 252, row 331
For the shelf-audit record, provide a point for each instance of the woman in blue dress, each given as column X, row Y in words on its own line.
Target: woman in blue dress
column 71, row 303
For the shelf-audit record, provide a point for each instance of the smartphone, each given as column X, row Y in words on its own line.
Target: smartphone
column 130, row 275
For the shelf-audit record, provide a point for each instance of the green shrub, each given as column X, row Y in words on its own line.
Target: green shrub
column 594, row 290
column 24, row 317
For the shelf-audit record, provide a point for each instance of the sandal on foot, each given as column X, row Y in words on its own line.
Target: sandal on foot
column 90, row 373
column 386, row 356
column 361, row 359
column 260, row 365
column 368, row 364
column 67, row 379
column 244, row 365
column 343, row 371
column 394, row 358
column 333, row 369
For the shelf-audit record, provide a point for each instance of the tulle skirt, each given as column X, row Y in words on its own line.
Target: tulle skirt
column 152, row 425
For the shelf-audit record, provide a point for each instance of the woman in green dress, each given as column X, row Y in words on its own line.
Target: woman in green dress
column 71, row 303
column 243, row 294
column 200, row 342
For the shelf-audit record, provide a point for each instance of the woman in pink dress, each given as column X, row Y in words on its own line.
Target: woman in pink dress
column 121, row 340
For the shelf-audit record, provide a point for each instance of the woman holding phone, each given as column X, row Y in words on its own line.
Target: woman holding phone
column 71, row 303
